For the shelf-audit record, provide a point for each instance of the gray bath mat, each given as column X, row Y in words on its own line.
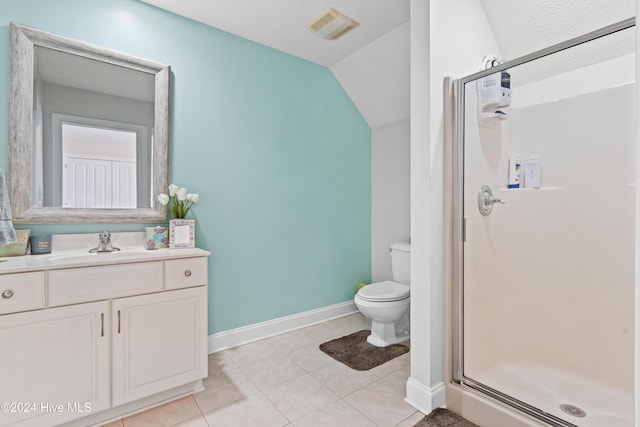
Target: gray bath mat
column 354, row 351
column 441, row 417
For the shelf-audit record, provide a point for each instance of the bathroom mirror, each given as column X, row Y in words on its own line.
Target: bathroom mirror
column 88, row 132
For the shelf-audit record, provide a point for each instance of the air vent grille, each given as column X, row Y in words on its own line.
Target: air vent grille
column 331, row 24
column 322, row 21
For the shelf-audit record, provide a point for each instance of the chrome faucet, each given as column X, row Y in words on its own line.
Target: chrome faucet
column 105, row 244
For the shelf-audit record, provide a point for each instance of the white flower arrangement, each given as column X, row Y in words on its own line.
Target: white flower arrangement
column 181, row 200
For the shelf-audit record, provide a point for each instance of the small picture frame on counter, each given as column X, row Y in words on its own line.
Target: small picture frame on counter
column 182, row 233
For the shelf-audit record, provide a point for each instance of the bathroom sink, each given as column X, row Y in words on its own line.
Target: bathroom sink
column 81, row 257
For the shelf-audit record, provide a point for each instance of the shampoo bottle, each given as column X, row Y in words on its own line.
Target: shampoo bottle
column 515, row 170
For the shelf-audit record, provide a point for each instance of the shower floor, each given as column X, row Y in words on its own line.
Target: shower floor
column 547, row 388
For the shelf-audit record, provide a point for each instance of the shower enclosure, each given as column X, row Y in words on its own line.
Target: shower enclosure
column 543, row 265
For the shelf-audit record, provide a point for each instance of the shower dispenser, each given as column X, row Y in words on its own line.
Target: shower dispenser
column 494, row 91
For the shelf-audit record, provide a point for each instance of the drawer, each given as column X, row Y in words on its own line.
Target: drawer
column 185, row 272
column 21, row 292
column 74, row 285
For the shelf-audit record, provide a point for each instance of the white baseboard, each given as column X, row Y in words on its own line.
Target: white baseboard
column 246, row 334
column 425, row 399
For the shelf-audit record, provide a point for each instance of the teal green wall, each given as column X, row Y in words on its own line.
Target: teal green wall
column 276, row 149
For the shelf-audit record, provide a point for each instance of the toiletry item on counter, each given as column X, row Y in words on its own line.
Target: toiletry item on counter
column 156, row 237
column 515, row 171
column 40, row 244
column 532, row 175
column 19, row 247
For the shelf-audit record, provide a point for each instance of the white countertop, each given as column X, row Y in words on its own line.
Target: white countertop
column 72, row 251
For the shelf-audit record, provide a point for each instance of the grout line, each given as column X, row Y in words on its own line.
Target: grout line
column 354, row 323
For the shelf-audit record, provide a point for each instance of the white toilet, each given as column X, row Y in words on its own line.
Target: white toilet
column 387, row 303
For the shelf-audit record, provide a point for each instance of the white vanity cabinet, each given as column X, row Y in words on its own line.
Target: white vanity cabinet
column 158, row 342
column 51, row 359
column 84, row 343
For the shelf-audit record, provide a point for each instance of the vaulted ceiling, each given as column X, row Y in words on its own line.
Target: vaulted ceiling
column 524, row 26
column 281, row 24
column 372, row 62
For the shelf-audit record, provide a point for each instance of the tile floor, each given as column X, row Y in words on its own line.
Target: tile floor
column 287, row 381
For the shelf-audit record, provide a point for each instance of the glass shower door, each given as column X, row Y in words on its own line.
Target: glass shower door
column 547, row 258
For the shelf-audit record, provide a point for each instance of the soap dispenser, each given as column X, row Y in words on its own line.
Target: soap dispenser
column 495, row 91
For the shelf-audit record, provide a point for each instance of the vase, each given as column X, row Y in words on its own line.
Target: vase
column 182, row 233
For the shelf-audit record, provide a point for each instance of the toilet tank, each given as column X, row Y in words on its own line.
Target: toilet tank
column 400, row 262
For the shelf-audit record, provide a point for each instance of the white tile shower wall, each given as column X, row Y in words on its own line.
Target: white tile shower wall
column 559, row 260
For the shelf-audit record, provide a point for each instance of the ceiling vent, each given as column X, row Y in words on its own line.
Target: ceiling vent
column 331, row 24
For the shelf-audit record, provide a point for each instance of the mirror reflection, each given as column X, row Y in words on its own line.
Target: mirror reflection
column 99, row 167
column 92, row 122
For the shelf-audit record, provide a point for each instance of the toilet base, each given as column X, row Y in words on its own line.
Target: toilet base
column 385, row 334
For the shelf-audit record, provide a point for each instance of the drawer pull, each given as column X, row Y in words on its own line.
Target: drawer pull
column 7, row 294
column 187, row 273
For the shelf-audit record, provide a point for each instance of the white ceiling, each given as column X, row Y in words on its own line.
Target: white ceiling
column 282, row 24
column 524, row 26
column 372, row 62
column 377, row 76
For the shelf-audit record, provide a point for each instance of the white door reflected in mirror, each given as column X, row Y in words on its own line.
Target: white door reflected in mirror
column 99, row 167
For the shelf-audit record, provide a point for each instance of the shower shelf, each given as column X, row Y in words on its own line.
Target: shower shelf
column 531, row 189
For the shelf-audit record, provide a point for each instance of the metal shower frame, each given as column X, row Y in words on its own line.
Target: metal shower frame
column 459, row 219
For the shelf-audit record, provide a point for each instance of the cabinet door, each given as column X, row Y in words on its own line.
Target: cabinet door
column 55, row 364
column 159, row 342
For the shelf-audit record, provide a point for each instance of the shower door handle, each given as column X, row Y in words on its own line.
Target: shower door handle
column 486, row 200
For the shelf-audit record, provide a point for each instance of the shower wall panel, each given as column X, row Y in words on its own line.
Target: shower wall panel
column 549, row 275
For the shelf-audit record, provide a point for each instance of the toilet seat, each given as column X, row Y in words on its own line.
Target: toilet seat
column 384, row 291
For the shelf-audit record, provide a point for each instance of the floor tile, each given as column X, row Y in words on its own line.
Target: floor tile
column 287, row 381
column 310, row 358
column 398, row 379
column 252, row 354
column 400, row 362
column 264, row 364
column 255, row 410
column 291, row 340
column 223, row 388
column 276, row 371
column 357, row 322
column 382, row 403
column 412, row 420
column 117, row 423
column 220, row 362
column 166, row 415
column 300, row 396
column 341, row 379
column 198, row 421
column 323, row 332
column 336, row 414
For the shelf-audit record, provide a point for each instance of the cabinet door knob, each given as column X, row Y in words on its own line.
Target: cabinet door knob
column 187, row 273
column 7, row 294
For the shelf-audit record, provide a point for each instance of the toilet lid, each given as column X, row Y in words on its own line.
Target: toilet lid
column 384, row 291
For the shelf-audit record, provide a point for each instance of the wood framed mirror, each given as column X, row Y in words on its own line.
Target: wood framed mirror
column 61, row 88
